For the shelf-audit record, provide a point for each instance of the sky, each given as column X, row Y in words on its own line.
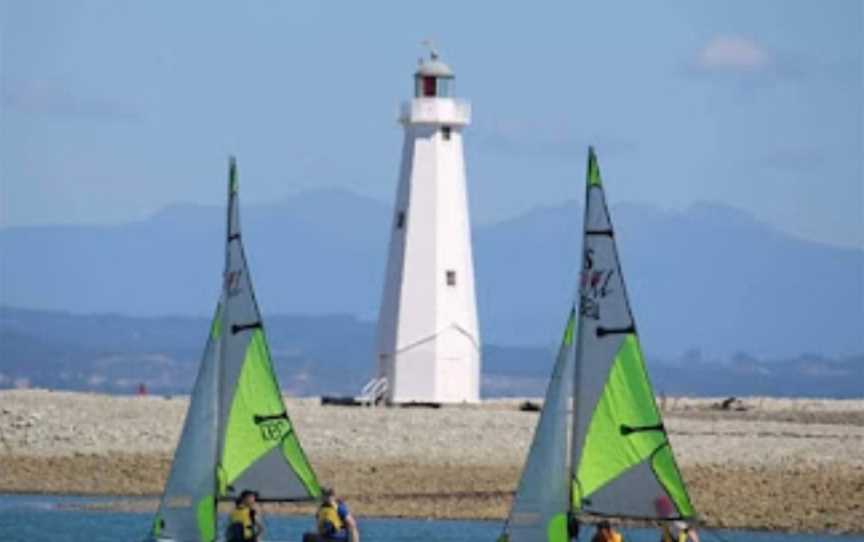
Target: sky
column 110, row 111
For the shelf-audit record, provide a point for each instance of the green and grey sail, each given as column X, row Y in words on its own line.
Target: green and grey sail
column 237, row 434
column 620, row 461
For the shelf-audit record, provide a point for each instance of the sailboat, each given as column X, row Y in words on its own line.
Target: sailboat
column 610, row 456
column 237, row 434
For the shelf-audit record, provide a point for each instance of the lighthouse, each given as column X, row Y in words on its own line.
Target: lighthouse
column 428, row 345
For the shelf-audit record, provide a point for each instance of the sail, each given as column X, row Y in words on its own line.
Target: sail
column 622, row 463
column 237, row 434
column 259, row 449
column 187, row 510
column 538, row 513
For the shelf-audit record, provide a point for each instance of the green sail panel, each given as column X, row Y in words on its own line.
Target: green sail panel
column 259, row 448
column 626, row 432
column 538, row 510
column 621, row 462
column 256, row 423
column 259, row 427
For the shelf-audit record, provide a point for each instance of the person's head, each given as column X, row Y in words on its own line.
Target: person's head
column 604, row 526
column 664, row 507
column 328, row 495
column 246, row 498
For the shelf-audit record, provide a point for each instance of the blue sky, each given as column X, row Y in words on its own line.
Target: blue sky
column 113, row 110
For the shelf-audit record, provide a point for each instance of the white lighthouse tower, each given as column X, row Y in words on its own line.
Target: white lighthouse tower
column 428, row 345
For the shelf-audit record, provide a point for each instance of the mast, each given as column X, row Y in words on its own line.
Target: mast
column 577, row 370
column 230, row 235
column 217, row 467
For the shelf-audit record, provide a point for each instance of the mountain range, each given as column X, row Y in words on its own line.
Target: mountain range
column 710, row 278
column 333, row 355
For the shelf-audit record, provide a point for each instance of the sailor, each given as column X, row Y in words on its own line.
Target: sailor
column 244, row 522
column 335, row 522
column 605, row 533
column 678, row 531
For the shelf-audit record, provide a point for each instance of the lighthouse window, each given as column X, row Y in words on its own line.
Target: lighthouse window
column 451, row 277
column 400, row 220
column 428, row 86
column 444, row 87
column 445, row 133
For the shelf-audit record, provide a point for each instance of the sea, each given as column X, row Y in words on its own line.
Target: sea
column 32, row 518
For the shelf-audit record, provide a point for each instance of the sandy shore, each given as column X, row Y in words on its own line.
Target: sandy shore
column 781, row 464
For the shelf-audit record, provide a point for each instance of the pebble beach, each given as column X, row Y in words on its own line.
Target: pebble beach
column 775, row 464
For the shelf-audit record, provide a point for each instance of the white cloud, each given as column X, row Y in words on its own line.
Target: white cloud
column 733, row 54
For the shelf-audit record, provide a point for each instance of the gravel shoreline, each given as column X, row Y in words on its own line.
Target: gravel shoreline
column 781, row 464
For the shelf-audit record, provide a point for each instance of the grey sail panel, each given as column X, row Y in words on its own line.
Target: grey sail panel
column 621, row 462
column 187, row 509
column 272, row 480
column 541, row 500
column 618, row 494
column 259, row 449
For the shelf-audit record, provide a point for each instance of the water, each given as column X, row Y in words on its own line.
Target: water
column 36, row 519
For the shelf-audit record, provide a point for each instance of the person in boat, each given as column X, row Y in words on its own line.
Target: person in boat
column 605, row 533
column 244, row 522
column 678, row 531
column 334, row 519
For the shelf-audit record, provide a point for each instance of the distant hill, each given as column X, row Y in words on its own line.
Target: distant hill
column 711, row 278
column 317, row 355
column 314, row 354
